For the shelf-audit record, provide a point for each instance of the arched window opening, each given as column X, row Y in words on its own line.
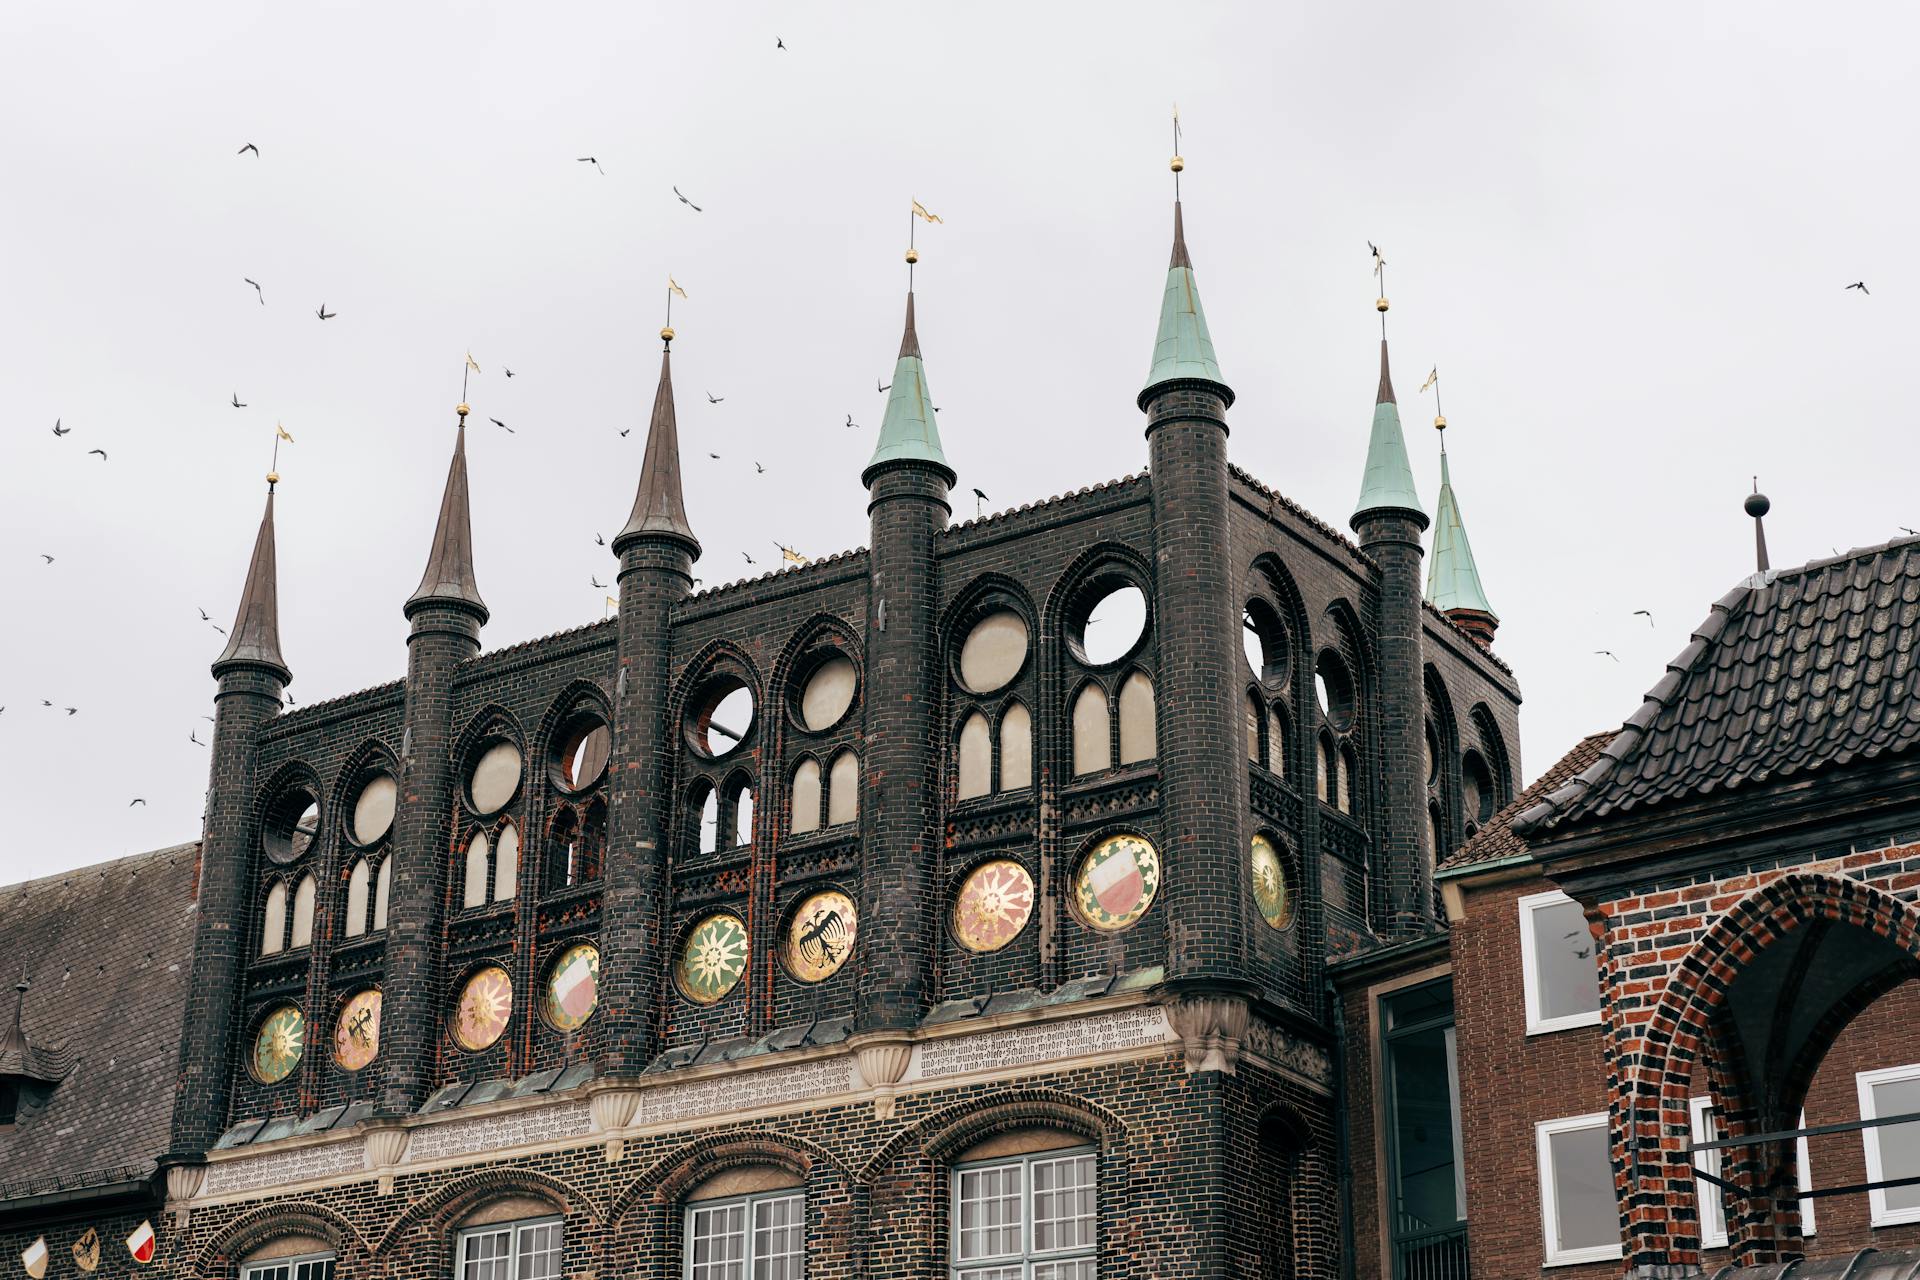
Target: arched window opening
column 1348, row 767
column 1253, row 719
column 1276, row 744
column 1092, row 733
column 1108, row 622
column 706, row 810
column 748, row 1221
column 563, row 851
column 1138, row 734
column 593, row 843
column 357, row 886
column 303, row 896
column 383, row 884
column 976, row 758
column 523, row 1249
column 1263, row 638
column 804, row 798
column 478, row 858
column 1016, row 748
column 273, row 925
column 743, row 815
column 506, row 863
column 1014, row 1216
column 1324, row 768
column 290, row 1258
column 843, row 789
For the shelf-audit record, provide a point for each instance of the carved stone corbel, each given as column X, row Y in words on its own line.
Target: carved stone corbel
column 614, row 1109
column 883, row 1062
column 386, row 1147
column 1211, row 1029
column 183, row 1184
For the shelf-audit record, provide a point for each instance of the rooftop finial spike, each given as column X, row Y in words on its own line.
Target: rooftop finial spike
column 1182, row 347
column 658, row 507
column 449, row 576
column 1757, row 506
column 255, row 638
column 1453, row 579
column 1387, row 485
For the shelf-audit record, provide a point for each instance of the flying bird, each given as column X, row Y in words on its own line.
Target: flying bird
column 236, row 401
column 1605, row 653
column 289, row 699
column 879, row 389
column 72, row 711
column 249, row 147
column 193, row 736
column 599, row 541
column 594, row 162
column 851, row 422
column 59, row 430
column 101, row 452
column 136, row 800
column 203, row 614
column 1644, row 613
column 325, row 314
column 217, row 627
column 749, row 559
column 713, row 455
column 713, row 399
column 45, row 703
column 256, row 289
column 1861, row 285
column 503, row 426
column 596, row 582
column 759, row 470
column 778, row 43
column 626, row 433
column 1910, row 532
column 690, row 204
column 509, row 372
column 46, row 557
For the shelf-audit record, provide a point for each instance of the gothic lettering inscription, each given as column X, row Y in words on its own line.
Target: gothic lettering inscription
column 1045, row 1042
column 281, row 1167
column 492, row 1133
column 747, row 1090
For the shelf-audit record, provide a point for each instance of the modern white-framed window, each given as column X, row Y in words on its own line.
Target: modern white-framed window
column 525, row 1250
column 754, row 1237
column 305, row 1266
column 1029, row 1217
column 1704, row 1121
column 1892, row 1151
column 1557, row 961
column 1580, row 1218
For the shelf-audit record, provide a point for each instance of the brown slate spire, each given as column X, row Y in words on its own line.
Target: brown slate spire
column 1180, row 258
column 1386, row 378
column 909, row 340
column 255, row 638
column 658, row 507
column 449, row 575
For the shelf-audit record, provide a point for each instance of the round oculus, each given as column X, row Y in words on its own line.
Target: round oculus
column 1271, row 892
column 356, row 1033
column 994, row 905
column 373, row 811
column 713, row 959
column 573, row 988
column 584, row 753
column 820, row 936
column 496, row 776
column 1116, row 882
column 827, row 694
column 485, row 1005
column 279, row 1044
column 994, row 651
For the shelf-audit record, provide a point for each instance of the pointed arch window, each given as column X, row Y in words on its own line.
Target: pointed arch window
column 1016, row 748
column 506, row 862
column 479, row 857
column 303, row 897
column 975, row 758
column 1324, row 768
column 743, row 816
column 804, row 798
column 1138, row 732
column 273, row 922
column 1276, row 743
column 1092, row 732
column 1349, row 767
column 591, row 857
column 706, row 812
column 563, row 850
column 358, row 885
column 382, row 884
column 843, row 789
column 735, row 813
column 1253, row 720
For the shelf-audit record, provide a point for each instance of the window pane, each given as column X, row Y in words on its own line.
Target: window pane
column 1078, row 1269
column 1063, row 1204
column 992, row 1273
column 269, row 1271
column 989, row 1212
column 718, row 1247
column 780, row 1238
column 1564, row 962
column 314, row 1269
column 1899, row 1143
column 539, row 1252
column 1584, row 1208
column 483, row 1254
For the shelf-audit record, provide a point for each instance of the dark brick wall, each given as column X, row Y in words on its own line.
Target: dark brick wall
column 1393, row 540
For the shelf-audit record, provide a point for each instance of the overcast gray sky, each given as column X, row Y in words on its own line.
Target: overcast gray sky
column 1621, row 232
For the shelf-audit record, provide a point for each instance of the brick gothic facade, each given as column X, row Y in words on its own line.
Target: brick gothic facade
column 449, row 839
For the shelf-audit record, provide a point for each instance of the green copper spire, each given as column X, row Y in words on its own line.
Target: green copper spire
column 1183, row 348
column 1388, row 484
column 909, row 433
column 1453, row 581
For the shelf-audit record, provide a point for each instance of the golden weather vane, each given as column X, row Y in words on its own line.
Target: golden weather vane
column 916, row 213
column 666, row 330
column 1177, row 163
column 1439, row 415
column 273, row 468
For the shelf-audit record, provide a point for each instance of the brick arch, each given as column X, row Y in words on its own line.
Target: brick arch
column 1653, row 1173
column 668, row 1178
column 440, row 1211
column 969, row 602
column 1494, row 747
column 579, row 695
column 264, row 1223
column 1073, row 579
column 953, row 1129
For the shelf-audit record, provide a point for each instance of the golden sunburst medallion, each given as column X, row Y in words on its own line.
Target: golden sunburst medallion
column 278, row 1044
column 1116, row 882
column 820, row 938
column 486, row 1002
column 1271, row 892
column 573, row 988
column 995, row 903
column 356, row 1033
column 713, row 959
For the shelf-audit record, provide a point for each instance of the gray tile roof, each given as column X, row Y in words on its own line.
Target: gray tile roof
column 108, row 950
column 1791, row 673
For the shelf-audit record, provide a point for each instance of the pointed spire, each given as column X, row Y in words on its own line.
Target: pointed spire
column 1453, row 580
column 1388, row 483
column 659, row 510
column 1757, row 506
column 255, row 638
column 449, row 575
column 1183, row 348
column 908, row 432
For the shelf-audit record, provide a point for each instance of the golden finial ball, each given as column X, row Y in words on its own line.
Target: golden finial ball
column 913, row 256
column 462, row 410
column 1439, row 422
column 1380, row 305
column 666, row 334
column 273, row 477
column 1176, row 164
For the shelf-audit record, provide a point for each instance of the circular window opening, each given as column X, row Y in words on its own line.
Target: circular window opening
column 291, row 825
column 1476, row 787
column 373, row 811
column 720, row 716
column 827, row 692
column 1333, row 689
column 1264, row 641
column 1109, row 622
column 496, row 776
column 584, row 747
column 993, row 652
